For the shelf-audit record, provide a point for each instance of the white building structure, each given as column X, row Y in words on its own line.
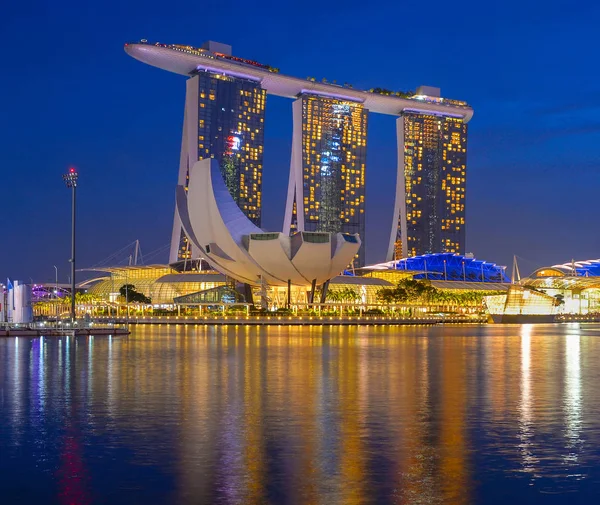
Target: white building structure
column 18, row 304
column 236, row 247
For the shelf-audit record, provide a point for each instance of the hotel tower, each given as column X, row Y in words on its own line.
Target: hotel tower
column 431, row 180
column 224, row 119
column 326, row 191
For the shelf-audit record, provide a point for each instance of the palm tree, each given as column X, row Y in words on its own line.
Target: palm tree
column 386, row 295
column 333, row 295
column 350, row 295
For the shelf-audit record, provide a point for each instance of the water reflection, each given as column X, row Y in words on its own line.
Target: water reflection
column 572, row 401
column 526, row 425
column 291, row 415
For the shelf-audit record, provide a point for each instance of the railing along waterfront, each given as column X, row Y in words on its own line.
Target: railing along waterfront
column 302, row 320
column 578, row 318
column 51, row 328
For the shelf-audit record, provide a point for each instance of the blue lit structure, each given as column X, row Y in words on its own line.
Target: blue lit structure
column 588, row 268
column 447, row 266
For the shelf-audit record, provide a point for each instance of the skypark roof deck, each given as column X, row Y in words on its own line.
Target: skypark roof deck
column 186, row 60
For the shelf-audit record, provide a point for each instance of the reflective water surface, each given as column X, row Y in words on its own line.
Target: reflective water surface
column 206, row 415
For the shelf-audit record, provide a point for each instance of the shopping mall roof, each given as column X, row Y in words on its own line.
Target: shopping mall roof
column 445, row 267
column 471, row 286
column 209, row 276
column 566, row 276
column 568, row 283
column 187, row 60
column 127, row 268
column 586, row 268
column 360, row 281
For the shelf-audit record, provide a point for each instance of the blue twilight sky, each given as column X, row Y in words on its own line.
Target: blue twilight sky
column 70, row 95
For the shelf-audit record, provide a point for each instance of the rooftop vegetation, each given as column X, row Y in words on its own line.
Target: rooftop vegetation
column 387, row 92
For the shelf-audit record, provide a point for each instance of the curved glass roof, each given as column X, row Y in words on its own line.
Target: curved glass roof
column 587, row 268
column 446, row 266
column 565, row 282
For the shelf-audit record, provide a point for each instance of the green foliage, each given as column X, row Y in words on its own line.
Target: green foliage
column 130, row 294
column 236, row 309
column 164, row 312
column 407, row 290
column 231, row 176
column 422, row 292
column 80, row 299
column 345, row 295
column 373, row 312
column 389, row 92
column 257, row 311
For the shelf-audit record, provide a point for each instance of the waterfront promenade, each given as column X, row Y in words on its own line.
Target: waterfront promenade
column 289, row 320
column 109, row 326
column 44, row 330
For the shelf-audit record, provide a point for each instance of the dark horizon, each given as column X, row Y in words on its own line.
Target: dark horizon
column 76, row 99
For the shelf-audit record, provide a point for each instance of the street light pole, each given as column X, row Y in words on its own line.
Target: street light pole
column 127, row 299
column 56, row 295
column 70, row 179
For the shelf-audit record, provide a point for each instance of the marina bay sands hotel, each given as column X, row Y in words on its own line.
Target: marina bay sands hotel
column 224, row 118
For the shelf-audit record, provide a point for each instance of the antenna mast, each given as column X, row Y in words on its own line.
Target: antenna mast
column 516, row 275
column 137, row 249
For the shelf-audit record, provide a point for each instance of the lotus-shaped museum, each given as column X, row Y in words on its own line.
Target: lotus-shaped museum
column 236, row 247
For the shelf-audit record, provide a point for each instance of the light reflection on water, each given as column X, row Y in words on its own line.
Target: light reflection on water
column 526, row 430
column 188, row 415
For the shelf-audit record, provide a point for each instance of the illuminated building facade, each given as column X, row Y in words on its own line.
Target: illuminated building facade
column 576, row 283
column 327, row 177
column 224, row 119
column 444, row 267
column 430, row 200
column 230, row 128
column 326, row 191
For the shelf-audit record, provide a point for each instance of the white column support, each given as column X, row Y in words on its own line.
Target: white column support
column 399, row 217
column 295, row 185
column 188, row 156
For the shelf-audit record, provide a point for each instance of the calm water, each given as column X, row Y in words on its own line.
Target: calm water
column 452, row 415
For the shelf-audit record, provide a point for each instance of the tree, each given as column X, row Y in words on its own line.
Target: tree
column 393, row 295
column 415, row 290
column 350, row 295
column 130, row 294
column 386, row 295
column 333, row 295
column 422, row 292
column 81, row 299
